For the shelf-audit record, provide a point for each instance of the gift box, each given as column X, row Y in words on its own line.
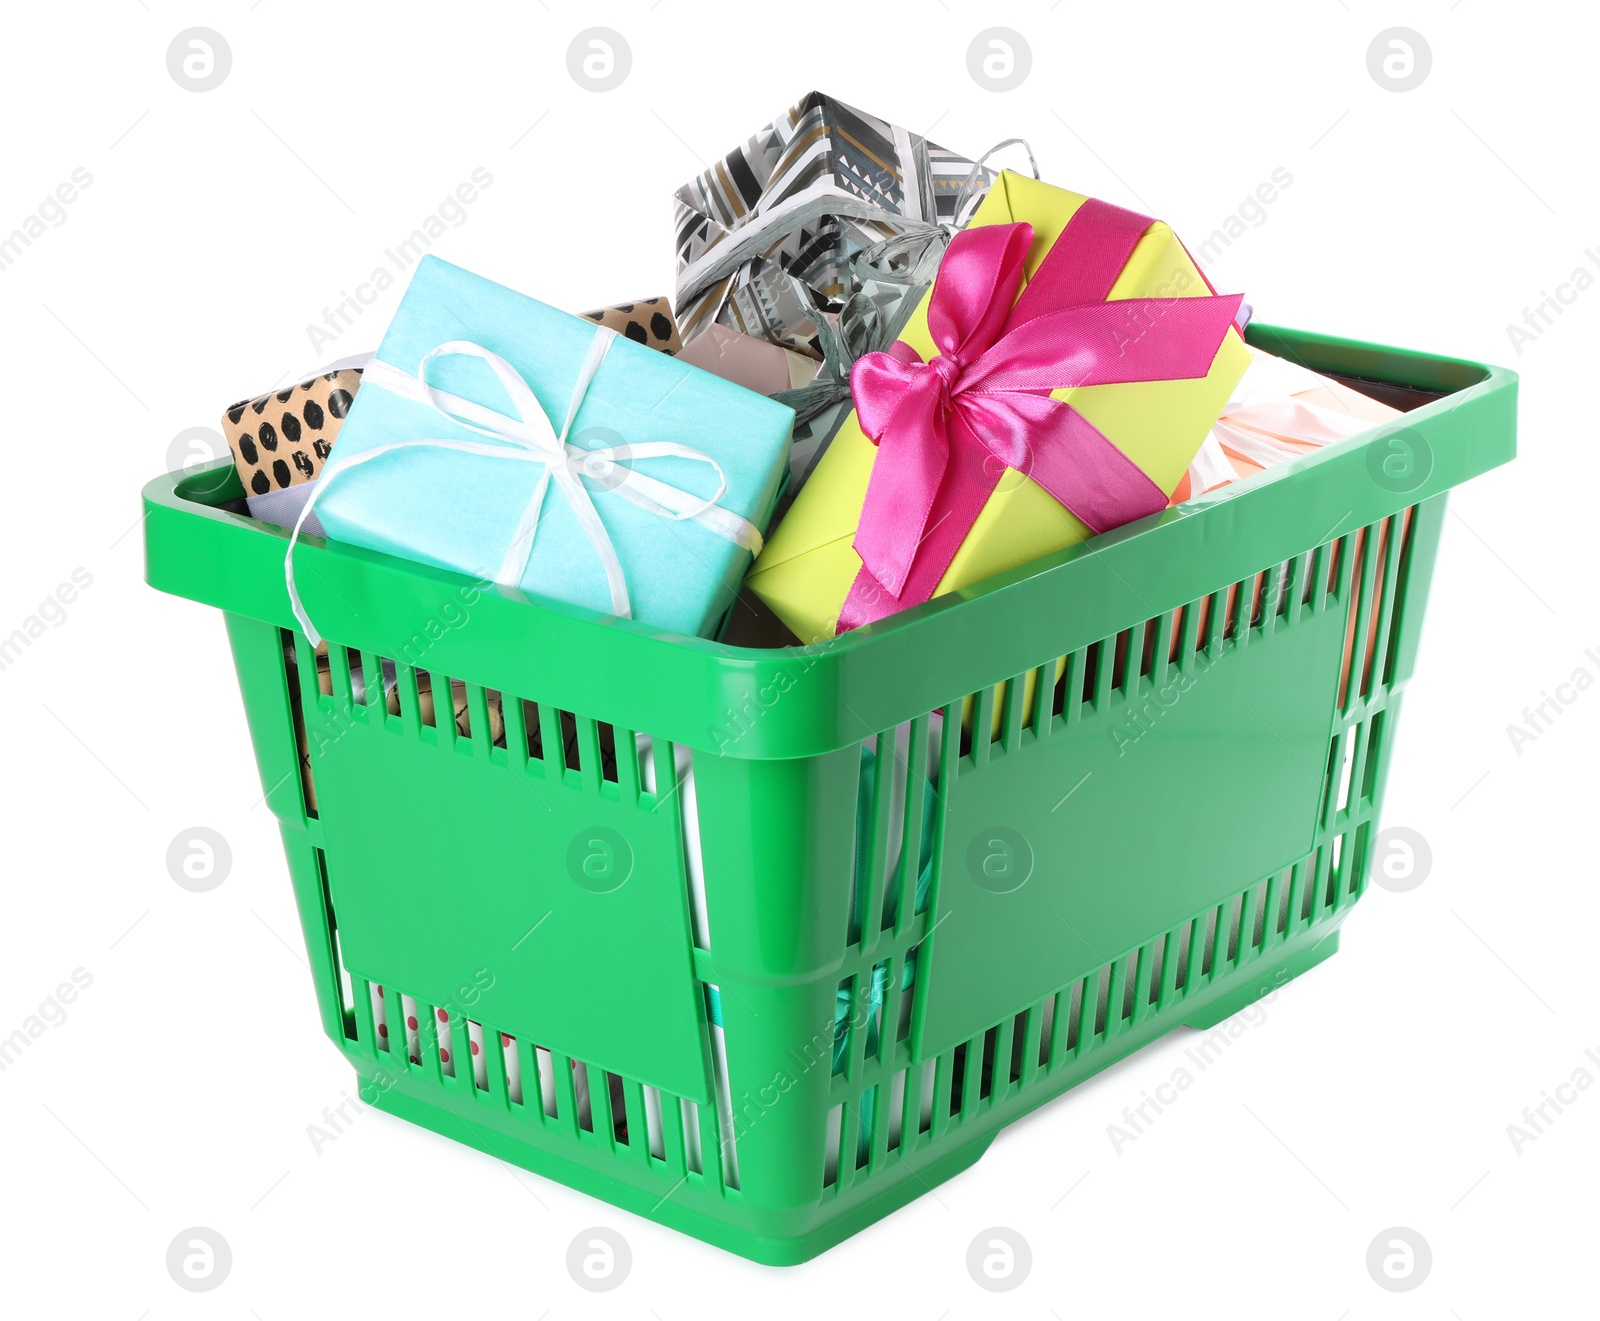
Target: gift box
column 1077, row 360
column 1280, row 411
column 499, row 437
column 807, row 192
column 747, row 361
column 648, row 321
column 280, row 441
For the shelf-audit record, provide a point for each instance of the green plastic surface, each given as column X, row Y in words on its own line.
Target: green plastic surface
column 1177, row 824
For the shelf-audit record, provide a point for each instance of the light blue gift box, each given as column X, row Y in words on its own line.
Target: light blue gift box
column 461, row 510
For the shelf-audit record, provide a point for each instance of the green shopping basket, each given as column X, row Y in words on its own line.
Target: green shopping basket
column 635, row 911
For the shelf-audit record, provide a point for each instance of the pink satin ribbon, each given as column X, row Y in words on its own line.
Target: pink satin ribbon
column 949, row 428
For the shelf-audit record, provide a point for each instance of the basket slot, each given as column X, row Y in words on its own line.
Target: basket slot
column 1053, row 1016
column 506, row 1066
column 603, row 1115
column 494, row 712
column 973, row 746
column 592, row 1104
column 575, row 1100
column 585, row 739
column 449, row 1049
column 636, row 1131
column 669, row 1117
column 1360, row 842
column 427, row 710
column 1395, row 533
column 993, row 1052
column 468, row 723
column 606, row 751
column 900, row 903
column 560, row 752
column 544, row 1070
column 692, row 1124
column 1390, row 650
column 410, row 1022
column 833, row 1132
column 292, row 678
column 343, row 987
column 1363, row 574
column 1153, row 975
column 528, row 716
column 1009, row 732
column 1374, row 762
column 718, row 1128
column 867, row 894
column 477, row 1055
column 379, row 1012
column 1085, row 1009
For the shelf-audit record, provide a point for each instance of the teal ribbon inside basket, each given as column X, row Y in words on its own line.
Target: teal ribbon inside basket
column 877, row 993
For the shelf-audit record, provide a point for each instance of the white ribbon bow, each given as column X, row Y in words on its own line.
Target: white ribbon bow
column 529, row 437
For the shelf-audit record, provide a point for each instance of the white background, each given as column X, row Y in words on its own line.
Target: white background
column 1374, row 1092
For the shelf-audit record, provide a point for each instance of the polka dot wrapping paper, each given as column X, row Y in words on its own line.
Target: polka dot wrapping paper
column 648, row 321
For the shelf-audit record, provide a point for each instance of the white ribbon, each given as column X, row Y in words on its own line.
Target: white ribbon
column 529, row 437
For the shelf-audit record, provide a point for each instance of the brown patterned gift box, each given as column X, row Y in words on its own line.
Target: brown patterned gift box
column 280, row 440
column 649, row 321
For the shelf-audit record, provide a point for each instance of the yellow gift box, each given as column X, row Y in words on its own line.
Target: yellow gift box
column 808, row 565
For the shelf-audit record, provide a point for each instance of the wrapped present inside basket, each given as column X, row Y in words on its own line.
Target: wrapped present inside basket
column 1278, row 412
column 502, row 438
column 281, row 439
column 1056, row 382
column 805, row 194
column 648, row 321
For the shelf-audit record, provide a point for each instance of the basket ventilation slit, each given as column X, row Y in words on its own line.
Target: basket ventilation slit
column 495, row 701
column 897, row 1109
column 358, row 677
column 1119, row 659
column 460, row 707
column 545, row 1063
column 408, row 1012
column 1185, row 937
column 865, row 1108
column 1391, row 658
column 347, row 999
column 1235, row 921
column 843, row 1022
column 689, row 1116
column 1019, row 1044
column 480, row 1062
column 1075, row 1015
column 830, row 1151
column 608, row 751
column 291, row 674
column 615, row 1093
column 1147, row 657
column 724, row 1099
column 654, row 1130
column 1091, row 672
column 1102, row 1000
column 512, row 1060
column 427, row 707
column 1158, row 959
column 876, row 1008
column 1369, row 778
column 1346, row 771
column 447, row 1058
column 530, row 722
column 958, row 1074
column 1209, row 949
column 1130, row 987
column 580, row 1089
column 569, row 740
column 380, row 1016
column 1047, row 1023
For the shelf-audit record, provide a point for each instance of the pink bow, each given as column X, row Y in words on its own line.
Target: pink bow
column 948, row 429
